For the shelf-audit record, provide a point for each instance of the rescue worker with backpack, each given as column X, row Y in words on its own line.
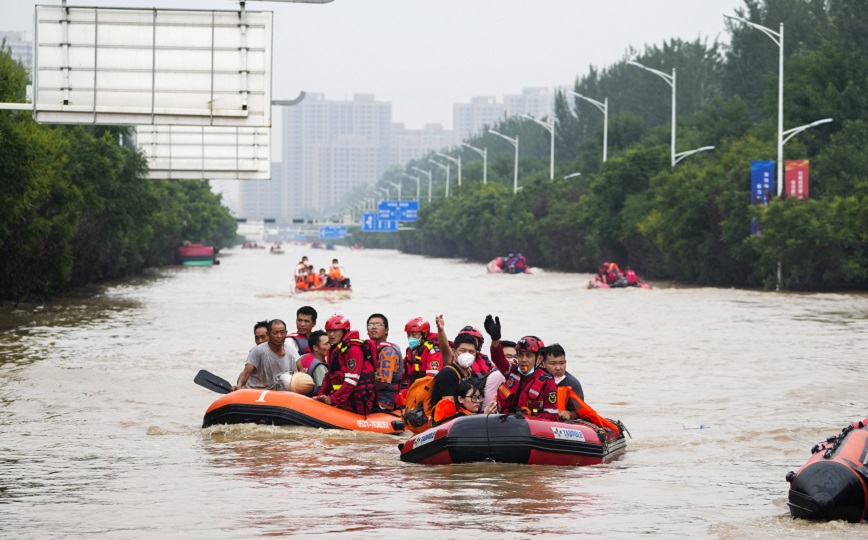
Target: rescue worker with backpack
column 389, row 365
column 528, row 387
column 350, row 382
column 423, row 356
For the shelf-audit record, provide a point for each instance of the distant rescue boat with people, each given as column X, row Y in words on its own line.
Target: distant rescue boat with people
column 610, row 277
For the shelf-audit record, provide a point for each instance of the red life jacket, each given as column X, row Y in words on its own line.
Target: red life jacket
column 421, row 361
column 341, row 366
column 535, row 394
column 632, row 278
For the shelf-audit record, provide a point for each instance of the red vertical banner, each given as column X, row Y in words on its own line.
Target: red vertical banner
column 796, row 178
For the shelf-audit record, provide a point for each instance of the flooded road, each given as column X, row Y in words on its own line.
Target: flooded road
column 100, row 420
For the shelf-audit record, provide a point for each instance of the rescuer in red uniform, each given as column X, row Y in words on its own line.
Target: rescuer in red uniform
column 350, row 381
column 423, row 356
column 528, row 387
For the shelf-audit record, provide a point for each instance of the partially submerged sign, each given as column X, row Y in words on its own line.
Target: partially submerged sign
column 152, row 66
column 206, row 152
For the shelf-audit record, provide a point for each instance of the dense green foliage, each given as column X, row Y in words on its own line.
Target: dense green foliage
column 76, row 209
column 689, row 223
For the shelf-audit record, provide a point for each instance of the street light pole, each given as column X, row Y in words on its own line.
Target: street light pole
column 778, row 38
column 428, row 174
column 398, row 187
column 604, row 108
column 575, row 174
column 484, row 153
column 456, row 161
column 445, row 168
column 550, row 127
column 513, row 142
column 418, row 182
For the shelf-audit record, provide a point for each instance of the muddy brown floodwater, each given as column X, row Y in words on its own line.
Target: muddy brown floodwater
column 100, row 420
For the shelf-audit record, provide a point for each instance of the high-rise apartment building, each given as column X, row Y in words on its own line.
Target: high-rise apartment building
column 264, row 199
column 21, row 46
column 470, row 119
column 536, row 102
column 410, row 144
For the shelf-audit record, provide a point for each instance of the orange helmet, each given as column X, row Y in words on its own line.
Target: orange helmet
column 338, row 322
column 417, row 324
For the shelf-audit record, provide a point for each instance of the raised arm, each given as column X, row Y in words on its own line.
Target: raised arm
column 445, row 350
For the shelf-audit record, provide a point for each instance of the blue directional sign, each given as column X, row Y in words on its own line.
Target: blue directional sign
column 330, row 231
column 372, row 223
column 398, row 210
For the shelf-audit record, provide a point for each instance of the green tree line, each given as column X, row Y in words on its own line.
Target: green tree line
column 76, row 208
column 690, row 223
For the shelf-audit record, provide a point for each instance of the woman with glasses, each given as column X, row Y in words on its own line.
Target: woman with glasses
column 467, row 400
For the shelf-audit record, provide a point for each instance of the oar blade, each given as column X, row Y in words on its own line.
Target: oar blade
column 212, row 382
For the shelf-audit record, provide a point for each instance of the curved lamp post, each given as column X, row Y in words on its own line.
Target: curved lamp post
column 445, row 168
column 513, row 142
column 428, row 174
column 418, row 182
column 456, row 161
column 550, row 127
column 484, row 153
column 604, row 108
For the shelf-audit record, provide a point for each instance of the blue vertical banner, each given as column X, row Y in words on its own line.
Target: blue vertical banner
column 762, row 179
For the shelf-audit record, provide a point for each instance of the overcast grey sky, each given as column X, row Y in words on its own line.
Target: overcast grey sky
column 425, row 55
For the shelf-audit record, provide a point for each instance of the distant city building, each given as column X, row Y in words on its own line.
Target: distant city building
column 469, row 119
column 331, row 148
column 410, row 144
column 21, row 46
column 536, row 102
column 263, row 199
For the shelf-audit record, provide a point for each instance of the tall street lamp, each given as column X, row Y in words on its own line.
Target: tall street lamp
column 575, row 174
column 778, row 38
column 418, row 182
column 513, row 142
column 445, row 168
column 456, row 161
column 671, row 81
column 604, row 108
column 428, row 174
column 550, row 127
column 398, row 187
column 484, row 153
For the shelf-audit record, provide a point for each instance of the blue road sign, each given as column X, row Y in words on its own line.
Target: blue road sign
column 372, row 223
column 398, row 210
column 333, row 231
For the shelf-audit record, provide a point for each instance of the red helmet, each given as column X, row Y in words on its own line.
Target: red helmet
column 529, row 343
column 473, row 332
column 417, row 324
column 338, row 322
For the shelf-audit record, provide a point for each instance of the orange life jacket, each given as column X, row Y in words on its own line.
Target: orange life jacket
column 301, row 283
column 585, row 411
column 445, row 409
column 336, row 274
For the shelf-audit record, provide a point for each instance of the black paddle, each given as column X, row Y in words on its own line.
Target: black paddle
column 208, row 380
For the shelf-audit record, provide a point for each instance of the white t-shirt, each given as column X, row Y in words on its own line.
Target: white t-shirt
column 268, row 365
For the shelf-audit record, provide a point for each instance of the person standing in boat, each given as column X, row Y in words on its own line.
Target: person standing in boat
column 260, row 332
column 528, row 388
column 423, row 356
column 336, row 277
column 387, row 379
column 350, row 382
column 314, row 363
column 305, row 320
column 266, row 361
column 556, row 364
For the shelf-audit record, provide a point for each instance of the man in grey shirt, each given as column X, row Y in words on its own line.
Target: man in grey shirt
column 268, row 360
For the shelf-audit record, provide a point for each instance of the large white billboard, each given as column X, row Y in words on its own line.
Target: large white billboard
column 152, row 66
column 206, row 152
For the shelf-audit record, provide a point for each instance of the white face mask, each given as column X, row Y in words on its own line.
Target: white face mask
column 465, row 360
column 559, row 379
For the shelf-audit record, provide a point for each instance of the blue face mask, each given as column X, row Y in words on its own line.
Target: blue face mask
column 414, row 342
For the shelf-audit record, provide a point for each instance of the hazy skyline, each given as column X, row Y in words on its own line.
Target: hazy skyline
column 426, row 55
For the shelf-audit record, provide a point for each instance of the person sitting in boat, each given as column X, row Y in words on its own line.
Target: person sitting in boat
column 467, row 400
column 350, row 381
column 423, row 355
column 314, row 362
column 509, row 263
column 632, row 278
column 520, row 264
column 495, row 378
column 336, row 277
column 260, row 332
column 387, row 379
column 301, row 280
column 302, row 265
column 314, row 280
column 555, row 362
column 267, row 361
column 457, row 359
column 305, row 320
column 528, row 388
column 481, row 365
